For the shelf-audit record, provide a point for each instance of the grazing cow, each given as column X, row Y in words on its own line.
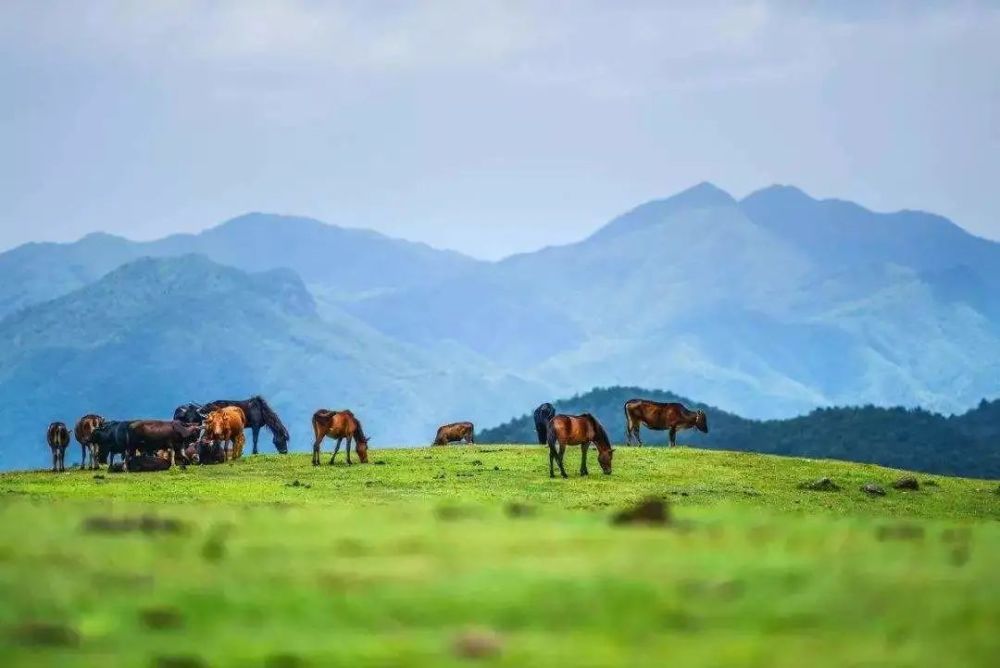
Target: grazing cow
column 57, row 437
column 149, row 436
column 660, row 416
column 579, row 430
column 226, row 426
column 543, row 414
column 111, row 438
column 85, row 426
column 339, row 425
column 456, row 431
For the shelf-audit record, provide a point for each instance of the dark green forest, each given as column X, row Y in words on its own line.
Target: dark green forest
column 915, row 439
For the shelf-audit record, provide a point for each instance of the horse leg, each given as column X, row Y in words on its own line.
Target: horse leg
column 336, row 449
column 673, row 436
column 552, row 459
column 583, row 459
column 349, row 450
column 319, row 439
column 562, row 454
column 256, row 433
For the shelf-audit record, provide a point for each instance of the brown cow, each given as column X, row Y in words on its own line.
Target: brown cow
column 149, row 436
column 57, row 437
column 660, row 416
column 85, row 427
column 582, row 430
column 339, row 425
column 226, row 425
column 456, row 431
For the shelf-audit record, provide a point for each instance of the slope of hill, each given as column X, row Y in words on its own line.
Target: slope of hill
column 342, row 261
column 769, row 307
column 159, row 332
column 472, row 555
column 967, row 444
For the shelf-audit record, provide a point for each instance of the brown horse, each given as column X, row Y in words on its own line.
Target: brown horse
column 579, row 430
column 85, row 427
column 339, row 425
column 456, row 431
column 226, row 426
column 57, row 437
column 660, row 416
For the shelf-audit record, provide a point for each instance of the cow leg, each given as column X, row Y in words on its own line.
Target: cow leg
column 583, row 459
column 673, row 436
column 256, row 433
column 62, row 459
column 53, row 459
column 336, row 449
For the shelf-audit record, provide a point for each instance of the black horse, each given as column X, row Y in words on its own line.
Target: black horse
column 543, row 414
column 258, row 414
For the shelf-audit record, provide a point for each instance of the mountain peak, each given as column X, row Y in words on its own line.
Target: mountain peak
column 701, row 196
column 778, row 193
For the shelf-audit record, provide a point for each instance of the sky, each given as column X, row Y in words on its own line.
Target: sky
column 490, row 127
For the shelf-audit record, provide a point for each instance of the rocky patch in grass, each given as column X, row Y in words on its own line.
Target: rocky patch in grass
column 477, row 644
column 45, row 634
column 871, row 489
column 147, row 524
column 651, row 511
column 820, row 485
column 907, row 482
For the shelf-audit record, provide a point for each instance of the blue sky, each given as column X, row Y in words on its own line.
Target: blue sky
column 488, row 127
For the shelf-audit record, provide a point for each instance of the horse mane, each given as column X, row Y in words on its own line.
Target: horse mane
column 271, row 419
column 598, row 429
column 361, row 430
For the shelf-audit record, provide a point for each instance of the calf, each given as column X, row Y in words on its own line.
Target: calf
column 58, row 439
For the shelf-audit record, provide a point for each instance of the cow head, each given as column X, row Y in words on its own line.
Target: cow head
column 214, row 426
column 701, row 421
column 604, row 459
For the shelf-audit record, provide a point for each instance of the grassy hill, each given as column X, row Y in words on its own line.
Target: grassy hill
column 967, row 444
column 433, row 557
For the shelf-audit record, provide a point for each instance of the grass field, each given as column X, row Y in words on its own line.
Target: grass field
column 472, row 555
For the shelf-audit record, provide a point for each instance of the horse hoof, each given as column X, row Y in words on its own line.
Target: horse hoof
column 564, row 476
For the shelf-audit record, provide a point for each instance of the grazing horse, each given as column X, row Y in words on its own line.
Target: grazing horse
column 226, row 426
column 58, row 439
column 85, row 426
column 339, row 425
column 456, row 431
column 543, row 414
column 660, row 416
column 257, row 413
column 579, row 430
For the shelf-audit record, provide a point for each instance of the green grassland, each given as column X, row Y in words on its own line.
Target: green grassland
column 473, row 556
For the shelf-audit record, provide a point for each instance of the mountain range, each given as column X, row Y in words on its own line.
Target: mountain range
column 768, row 307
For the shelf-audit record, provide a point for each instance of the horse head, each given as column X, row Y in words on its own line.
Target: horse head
column 604, row 459
column 281, row 443
column 361, row 447
column 701, row 421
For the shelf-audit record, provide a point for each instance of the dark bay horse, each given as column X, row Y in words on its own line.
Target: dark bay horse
column 660, row 416
column 57, row 436
column 542, row 415
column 456, row 431
column 85, row 426
column 339, row 425
column 258, row 414
column 579, row 430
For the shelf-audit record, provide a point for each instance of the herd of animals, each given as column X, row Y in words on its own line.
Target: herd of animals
column 213, row 433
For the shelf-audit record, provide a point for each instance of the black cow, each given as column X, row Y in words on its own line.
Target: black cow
column 111, row 438
column 150, row 436
column 190, row 413
column 543, row 414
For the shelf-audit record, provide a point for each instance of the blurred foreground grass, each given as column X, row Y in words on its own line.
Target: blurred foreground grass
column 452, row 556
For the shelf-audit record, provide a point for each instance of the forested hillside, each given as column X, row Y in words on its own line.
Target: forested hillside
column 967, row 444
